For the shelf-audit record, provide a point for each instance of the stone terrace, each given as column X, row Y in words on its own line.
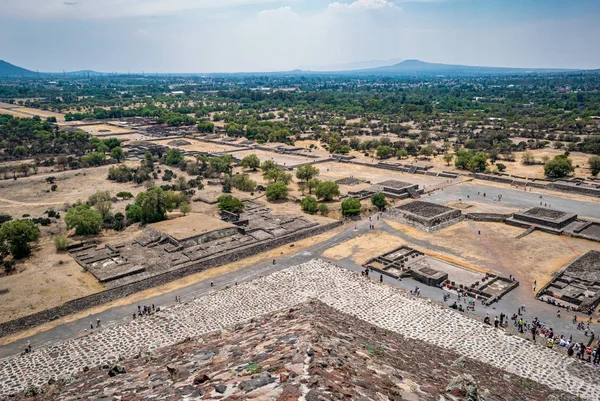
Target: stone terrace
column 424, row 215
column 382, row 305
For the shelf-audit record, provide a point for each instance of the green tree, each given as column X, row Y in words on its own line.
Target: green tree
column 230, row 204
column 426, row 151
column 133, row 212
column 276, row 191
column 323, row 209
column 306, row 172
column 118, row 154
column 383, row 151
column 478, row 161
column 118, row 221
column 155, row 203
column 528, row 158
column 205, row 126
column 124, row 195
column 84, row 220
column 278, row 175
column 313, row 183
column 250, row 161
column 560, row 166
column 351, row 207
column 99, row 197
column 448, row 158
column 378, row 200
column 402, row 154
column 327, row 190
column 501, row 167
column 309, row 205
column 243, row 182
column 268, row 165
column 16, row 237
column 185, row 208
column 463, row 159
column 173, row 157
column 594, row 163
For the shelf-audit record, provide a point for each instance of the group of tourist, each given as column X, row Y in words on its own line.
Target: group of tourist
column 146, row 310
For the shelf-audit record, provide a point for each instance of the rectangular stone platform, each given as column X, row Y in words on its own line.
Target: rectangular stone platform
column 424, row 215
column 545, row 217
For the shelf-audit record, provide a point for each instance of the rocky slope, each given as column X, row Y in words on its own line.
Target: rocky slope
column 308, row 352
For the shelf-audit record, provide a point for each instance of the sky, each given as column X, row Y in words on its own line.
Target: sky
column 281, row 35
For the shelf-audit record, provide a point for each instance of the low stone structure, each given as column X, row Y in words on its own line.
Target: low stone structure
column 577, row 284
column 174, row 244
column 397, row 189
column 540, row 216
column 409, row 262
column 426, row 216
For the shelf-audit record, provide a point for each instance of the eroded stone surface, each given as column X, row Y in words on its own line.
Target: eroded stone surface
column 382, row 305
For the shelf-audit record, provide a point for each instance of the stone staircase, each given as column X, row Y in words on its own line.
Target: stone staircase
column 526, row 232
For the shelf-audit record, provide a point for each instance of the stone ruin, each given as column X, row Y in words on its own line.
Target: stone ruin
column 577, row 284
column 408, row 262
column 137, row 149
column 196, row 238
column 178, row 142
column 398, row 189
column 547, row 220
column 348, row 181
column 424, row 215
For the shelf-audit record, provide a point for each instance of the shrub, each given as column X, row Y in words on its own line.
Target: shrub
column 124, row 195
column 323, row 209
column 185, row 208
column 15, row 237
column 61, row 243
column 351, row 207
column 85, row 220
column 327, row 190
column 378, row 200
column 309, row 205
column 243, row 182
column 118, row 221
column 276, row 191
column 251, row 161
column 230, row 204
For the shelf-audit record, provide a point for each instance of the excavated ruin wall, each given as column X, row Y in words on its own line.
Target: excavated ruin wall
column 103, row 297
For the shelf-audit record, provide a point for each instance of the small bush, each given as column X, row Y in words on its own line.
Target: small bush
column 61, row 243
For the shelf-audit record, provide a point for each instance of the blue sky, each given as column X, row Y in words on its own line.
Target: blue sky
column 275, row 35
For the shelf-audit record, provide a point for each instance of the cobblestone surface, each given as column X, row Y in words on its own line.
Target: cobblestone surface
column 381, row 305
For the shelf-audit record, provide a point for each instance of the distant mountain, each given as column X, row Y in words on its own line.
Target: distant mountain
column 10, row 70
column 357, row 65
column 418, row 67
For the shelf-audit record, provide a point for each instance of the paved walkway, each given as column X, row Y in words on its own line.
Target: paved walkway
column 337, row 287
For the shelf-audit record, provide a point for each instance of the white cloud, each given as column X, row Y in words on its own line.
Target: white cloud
column 362, row 5
column 111, row 9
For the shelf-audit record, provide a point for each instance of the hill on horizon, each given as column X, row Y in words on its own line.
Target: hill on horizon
column 418, row 67
column 404, row 68
column 10, row 70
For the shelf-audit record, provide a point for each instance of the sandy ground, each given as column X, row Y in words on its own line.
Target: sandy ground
column 29, row 112
column 200, row 146
column 284, row 250
column 281, row 159
column 375, row 175
column 104, row 129
column 365, row 247
column 534, row 257
column 48, row 279
column 28, row 194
